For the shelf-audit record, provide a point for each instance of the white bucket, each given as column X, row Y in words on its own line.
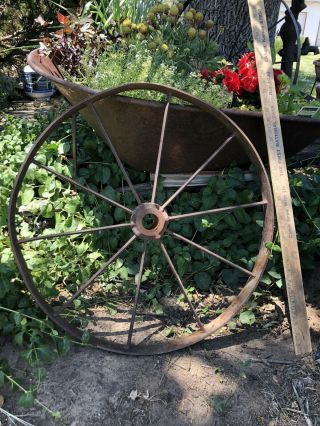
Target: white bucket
column 36, row 86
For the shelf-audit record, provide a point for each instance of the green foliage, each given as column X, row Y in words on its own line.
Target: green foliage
column 8, row 88
column 137, row 64
column 103, row 12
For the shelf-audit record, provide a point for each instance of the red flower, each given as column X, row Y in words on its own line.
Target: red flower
column 249, row 81
column 247, row 62
column 232, row 81
column 277, row 80
column 205, row 73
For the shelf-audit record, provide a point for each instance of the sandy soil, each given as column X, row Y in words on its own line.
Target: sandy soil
column 250, row 377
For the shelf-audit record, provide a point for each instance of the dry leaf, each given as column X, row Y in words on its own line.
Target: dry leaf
column 1, row 401
column 62, row 19
column 133, row 395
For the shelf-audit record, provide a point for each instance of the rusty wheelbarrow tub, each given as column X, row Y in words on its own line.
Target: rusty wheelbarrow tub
column 138, row 148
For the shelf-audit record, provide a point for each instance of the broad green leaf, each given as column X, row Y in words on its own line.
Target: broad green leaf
column 247, row 318
column 85, row 337
column 27, row 196
column 203, row 280
column 27, row 400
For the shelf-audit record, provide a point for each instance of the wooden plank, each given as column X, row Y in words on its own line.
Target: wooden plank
column 280, row 182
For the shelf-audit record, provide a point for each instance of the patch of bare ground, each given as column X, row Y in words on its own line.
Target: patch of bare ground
column 247, row 377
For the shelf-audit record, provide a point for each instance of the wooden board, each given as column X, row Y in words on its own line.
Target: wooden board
column 280, row 182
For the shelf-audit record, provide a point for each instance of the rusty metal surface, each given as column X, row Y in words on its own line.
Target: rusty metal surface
column 158, row 230
column 125, row 120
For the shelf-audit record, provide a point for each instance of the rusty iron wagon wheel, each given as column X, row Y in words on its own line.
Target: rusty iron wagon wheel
column 130, row 326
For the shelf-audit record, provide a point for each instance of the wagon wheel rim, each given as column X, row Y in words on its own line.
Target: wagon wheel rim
column 139, row 231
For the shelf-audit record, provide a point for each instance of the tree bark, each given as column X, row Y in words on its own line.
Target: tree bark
column 232, row 29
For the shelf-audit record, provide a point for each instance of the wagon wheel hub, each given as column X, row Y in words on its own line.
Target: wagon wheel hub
column 149, row 222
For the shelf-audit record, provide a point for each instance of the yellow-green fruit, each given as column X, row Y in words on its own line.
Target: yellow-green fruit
column 166, row 7
column 174, row 10
column 143, row 28
column 170, row 53
column 192, row 10
column 134, row 26
column 202, row 34
column 152, row 45
column 151, row 16
column 164, row 47
column 161, row 8
column 192, row 33
column 209, row 24
column 188, row 16
column 153, row 9
column 125, row 29
column 140, row 36
column 180, row 6
column 198, row 16
column 127, row 23
column 158, row 40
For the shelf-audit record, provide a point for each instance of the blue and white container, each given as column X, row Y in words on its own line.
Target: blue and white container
column 36, row 86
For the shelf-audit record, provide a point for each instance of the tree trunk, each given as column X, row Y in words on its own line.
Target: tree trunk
column 232, row 28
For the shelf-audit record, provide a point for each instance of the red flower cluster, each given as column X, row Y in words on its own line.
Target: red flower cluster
column 211, row 75
column 241, row 81
column 245, row 79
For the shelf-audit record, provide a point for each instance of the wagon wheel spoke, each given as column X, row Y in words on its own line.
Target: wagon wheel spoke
column 164, row 124
column 210, row 253
column 74, row 146
column 180, row 283
column 136, row 298
column 220, row 210
column 96, row 275
column 195, row 174
column 79, row 232
column 82, row 187
column 114, row 151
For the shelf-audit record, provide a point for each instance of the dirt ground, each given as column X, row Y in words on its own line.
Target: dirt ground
column 249, row 377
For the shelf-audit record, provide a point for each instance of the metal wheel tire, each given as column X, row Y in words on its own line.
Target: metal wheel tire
column 158, row 231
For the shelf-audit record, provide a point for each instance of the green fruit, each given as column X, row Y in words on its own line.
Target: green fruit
column 152, row 45
column 170, row 53
column 188, row 16
column 180, row 6
column 140, row 36
column 202, row 34
column 198, row 17
column 174, row 10
column 151, row 16
column 192, row 32
column 209, row 24
column 192, row 10
column 125, row 29
column 161, row 8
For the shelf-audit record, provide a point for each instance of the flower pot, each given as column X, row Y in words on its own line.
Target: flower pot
column 35, row 85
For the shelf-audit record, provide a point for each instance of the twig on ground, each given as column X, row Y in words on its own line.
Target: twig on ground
column 300, row 402
column 13, row 417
